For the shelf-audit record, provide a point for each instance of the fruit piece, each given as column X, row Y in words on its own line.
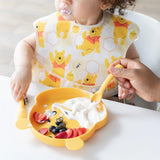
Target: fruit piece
column 55, row 130
column 62, row 129
column 84, row 130
column 57, row 123
column 75, row 133
column 60, row 119
column 43, row 131
column 51, row 128
column 39, row 117
column 69, row 133
column 61, row 135
column 62, row 125
column 80, row 131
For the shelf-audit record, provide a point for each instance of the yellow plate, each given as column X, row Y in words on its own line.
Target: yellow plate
column 60, row 95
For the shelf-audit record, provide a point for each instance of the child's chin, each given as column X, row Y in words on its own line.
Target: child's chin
column 68, row 17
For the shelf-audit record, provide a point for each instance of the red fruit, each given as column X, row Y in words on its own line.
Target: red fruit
column 80, row 131
column 43, row 131
column 61, row 135
column 69, row 133
column 84, row 130
column 39, row 117
column 75, row 133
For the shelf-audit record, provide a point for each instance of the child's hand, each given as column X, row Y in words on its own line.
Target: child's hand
column 125, row 89
column 20, row 81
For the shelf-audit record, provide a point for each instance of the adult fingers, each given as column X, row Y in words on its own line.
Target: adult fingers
column 130, row 97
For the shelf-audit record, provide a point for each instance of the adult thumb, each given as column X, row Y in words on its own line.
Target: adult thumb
column 122, row 72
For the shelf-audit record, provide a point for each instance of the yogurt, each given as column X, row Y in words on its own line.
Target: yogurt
column 82, row 110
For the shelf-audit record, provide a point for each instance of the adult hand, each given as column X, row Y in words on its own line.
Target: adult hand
column 136, row 76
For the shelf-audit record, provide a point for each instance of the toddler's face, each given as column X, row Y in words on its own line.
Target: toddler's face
column 78, row 9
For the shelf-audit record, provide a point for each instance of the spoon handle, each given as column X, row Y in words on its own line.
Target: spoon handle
column 105, row 84
column 107, row 81
column 21, row 111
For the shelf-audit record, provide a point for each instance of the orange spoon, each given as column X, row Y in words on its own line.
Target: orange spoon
column 98, row 95
column 22, row 121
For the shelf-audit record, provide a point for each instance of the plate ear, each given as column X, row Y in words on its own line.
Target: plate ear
column 74, row 144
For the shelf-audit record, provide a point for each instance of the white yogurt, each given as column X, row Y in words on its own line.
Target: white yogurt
column 82, row 110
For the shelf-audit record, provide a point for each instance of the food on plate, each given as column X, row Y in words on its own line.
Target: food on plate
column 39, row 117
column 43, row 131
column 85, row 112
column 71, row 133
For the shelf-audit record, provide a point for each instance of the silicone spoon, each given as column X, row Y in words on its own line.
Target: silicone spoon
column 22, row 121
column 98, row 95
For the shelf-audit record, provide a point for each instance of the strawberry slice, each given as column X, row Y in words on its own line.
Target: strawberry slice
column 43, row 131
column 61, row 135
column 69, row 133
column 75, row 133
column 80, row 131
column 84, row 130
column 39, row 117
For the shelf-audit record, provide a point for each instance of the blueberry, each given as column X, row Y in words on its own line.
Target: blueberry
column 57, row 123
column 51, row 128
column 55, row 130
column 62, row 125
column 60, row 119
column 62, row 129
column 48, row 120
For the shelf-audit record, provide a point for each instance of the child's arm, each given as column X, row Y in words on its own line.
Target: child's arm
column 123, row 93
column 23, row 56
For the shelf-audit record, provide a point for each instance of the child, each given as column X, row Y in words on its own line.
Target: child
column 74, row 47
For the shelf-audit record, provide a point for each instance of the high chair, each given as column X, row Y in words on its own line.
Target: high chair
column 148, row 46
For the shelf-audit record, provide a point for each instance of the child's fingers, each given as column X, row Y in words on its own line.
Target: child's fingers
column 25, row 91
column 16, row 92
column 20, row 93
column 12, row 86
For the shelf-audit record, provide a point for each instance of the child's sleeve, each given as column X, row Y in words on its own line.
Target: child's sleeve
column 42, row 26
column 41, row 23
column 134, row 32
